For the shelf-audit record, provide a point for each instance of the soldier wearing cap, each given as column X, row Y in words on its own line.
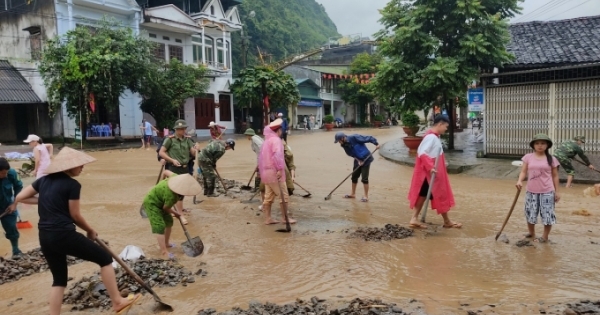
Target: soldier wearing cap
column 567, row 151
column 207, row 160
column 178, row 150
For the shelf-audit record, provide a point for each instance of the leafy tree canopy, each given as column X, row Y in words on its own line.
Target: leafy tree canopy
column 351, row 90
column 104, row 61
column 167, row 86
column 282, row 28
column 253, row 84
column 434, row 48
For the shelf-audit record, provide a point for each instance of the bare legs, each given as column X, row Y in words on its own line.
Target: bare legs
column 107, row 273
column 267, row 211
column 569, row 181
column 366, row 188
column 163, row 242
column 414, row 220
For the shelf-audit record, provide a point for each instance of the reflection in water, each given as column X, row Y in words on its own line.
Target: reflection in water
column 246, row 260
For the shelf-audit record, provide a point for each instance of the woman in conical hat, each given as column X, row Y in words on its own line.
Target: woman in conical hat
column 159, row 203
column 59, row 210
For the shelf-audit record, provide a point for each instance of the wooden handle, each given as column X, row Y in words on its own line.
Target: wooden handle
column 251, row 177
column 345, row 179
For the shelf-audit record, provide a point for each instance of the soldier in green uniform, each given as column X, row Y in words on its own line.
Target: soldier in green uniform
column 10, row 186
column 567, row 151
column 207, row 160
column 290, row 168
column 176, row 150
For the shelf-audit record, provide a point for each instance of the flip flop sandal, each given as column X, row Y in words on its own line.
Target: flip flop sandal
column 172, row 245
column 364, row 199
column 541, row 240
column 417, row 226
column 133, row 299
column 349, row 197
column 453, row 225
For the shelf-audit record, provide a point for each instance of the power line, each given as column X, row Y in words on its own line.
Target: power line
column 548, row 7
column 569, row 9
column 543, row 6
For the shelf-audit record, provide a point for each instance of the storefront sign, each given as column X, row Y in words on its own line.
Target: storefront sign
column 476, row 100
column 312, row 103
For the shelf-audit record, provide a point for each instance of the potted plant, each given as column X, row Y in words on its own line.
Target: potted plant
column 410, row 123
column 378, row 120
column 328, row 120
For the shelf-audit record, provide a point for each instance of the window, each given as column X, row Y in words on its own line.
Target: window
column 208, row 49
column 177, row 40
column 159, row 51
column 166, row 38
column 227, row 54
column 35, row 41
column 152, row 35
column 197, row 49
column 176, row 52
column 220, row 52
column 212, row 10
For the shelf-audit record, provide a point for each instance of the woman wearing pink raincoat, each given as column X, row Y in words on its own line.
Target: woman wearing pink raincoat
column 271, row 167
column 441, row 193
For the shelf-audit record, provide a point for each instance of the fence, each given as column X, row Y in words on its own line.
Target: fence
column 513, row 114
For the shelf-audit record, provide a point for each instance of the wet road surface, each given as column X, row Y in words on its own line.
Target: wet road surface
column 246, row 260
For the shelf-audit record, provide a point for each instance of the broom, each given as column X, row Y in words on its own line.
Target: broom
column 23, row 224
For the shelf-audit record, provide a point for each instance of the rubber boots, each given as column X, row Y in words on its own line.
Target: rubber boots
column 206, row 188
column 211, row 190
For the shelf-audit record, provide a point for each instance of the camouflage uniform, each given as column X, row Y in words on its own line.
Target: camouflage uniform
column 567, row 151
column 207, row 160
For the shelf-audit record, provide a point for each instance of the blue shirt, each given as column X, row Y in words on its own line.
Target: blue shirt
column 10, row 186
column 355, row 147
column 284, row 126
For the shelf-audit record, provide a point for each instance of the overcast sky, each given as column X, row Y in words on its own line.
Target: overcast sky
column 360, row 16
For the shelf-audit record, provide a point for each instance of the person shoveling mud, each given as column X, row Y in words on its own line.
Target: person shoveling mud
column 59, row 209
column 207, row 160
column 159, row 204
column 541, row 170
column 11, row 184
column 430, row 150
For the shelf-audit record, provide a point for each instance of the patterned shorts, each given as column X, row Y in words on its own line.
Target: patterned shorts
column 542, row 205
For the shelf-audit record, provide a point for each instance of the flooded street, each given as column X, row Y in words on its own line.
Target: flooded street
column 246, row 260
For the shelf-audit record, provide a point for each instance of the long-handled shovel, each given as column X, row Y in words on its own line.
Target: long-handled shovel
column 308, row 192
column 4, row 213
column 252, row 198
column 137, row 278
column 142, row 210
column 426, row 205
column 509, row 213
column 221, row 180
column 193, row 246
column 288, row 228
column 247, row 187
column 345, row 179
column 580, row 162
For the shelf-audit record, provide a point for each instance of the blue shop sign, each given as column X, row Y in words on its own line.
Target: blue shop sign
column 312, row 103
column 476, row 99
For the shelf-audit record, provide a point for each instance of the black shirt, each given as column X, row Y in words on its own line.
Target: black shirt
column 53, row 204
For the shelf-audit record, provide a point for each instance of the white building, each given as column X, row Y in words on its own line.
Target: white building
column 194, row 31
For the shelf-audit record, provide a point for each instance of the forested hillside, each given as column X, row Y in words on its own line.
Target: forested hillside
column 281, row 28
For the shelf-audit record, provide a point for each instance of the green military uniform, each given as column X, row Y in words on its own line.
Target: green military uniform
column 10, row 186
column 567, row 151
column 179, row 149
column 155, row 201
column 207, row 160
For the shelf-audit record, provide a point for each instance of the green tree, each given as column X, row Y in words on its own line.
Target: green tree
column 166, row 87
column 254, row 84
column 434, row 48
column 103, row 61
column 352, row 90
column 281, row 28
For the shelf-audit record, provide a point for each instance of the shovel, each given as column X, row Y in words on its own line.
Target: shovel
column 247, row 187
column 142, row 210
column 221, row 180
column 193, row 246
column 137, row 278
column 288, row 228
column 250, row 200
column 509, row 213
column 580, row 162
column 426, row 205
column 304, row 196
column 345, row 179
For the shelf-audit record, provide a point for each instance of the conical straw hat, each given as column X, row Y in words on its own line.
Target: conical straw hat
column 184, row 185
column 67, row 159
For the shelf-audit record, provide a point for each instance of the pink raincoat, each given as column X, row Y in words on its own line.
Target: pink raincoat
column 271, row 158
column 441, row 191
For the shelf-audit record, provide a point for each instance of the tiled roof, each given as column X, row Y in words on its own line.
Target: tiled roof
column 14, row 89
column 560, row 42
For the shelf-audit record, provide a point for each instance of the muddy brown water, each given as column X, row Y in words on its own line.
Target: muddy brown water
column 246, row 260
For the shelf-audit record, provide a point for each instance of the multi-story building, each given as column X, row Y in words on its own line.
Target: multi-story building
column 194, row 31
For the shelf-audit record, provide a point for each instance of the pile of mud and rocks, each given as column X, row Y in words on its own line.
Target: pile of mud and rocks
column 26, row 264
column 89, row 292
column 314, row 306
column 387, row 233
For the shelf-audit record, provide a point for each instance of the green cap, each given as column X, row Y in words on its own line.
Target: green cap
column 580, row 138
column 541, row 136
column 180, row 124
column 250, row 132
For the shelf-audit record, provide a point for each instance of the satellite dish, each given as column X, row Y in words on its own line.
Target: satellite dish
column 252, row 14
